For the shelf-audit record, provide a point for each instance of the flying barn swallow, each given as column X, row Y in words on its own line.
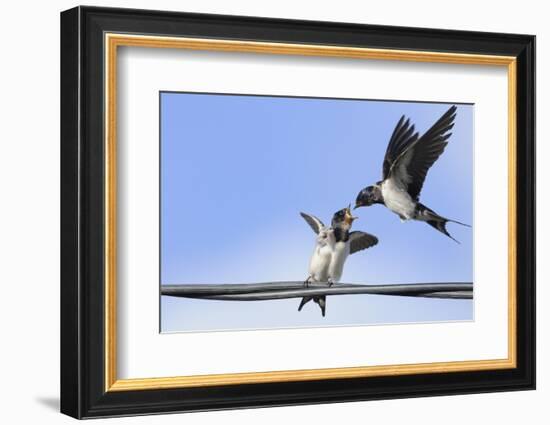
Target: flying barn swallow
column 406, row 163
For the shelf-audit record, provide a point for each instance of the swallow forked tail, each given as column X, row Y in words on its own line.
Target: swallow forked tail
column 436, row 221
column 320, row 301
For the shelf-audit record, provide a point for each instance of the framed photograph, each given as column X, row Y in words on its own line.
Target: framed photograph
column 261, row 212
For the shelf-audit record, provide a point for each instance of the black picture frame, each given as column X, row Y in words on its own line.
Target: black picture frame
column 83, row 392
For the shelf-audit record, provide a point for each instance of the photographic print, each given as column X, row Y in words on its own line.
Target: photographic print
column 267, row 202
column 341, row 192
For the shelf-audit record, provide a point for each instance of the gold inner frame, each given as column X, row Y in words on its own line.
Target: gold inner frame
column 113, row 41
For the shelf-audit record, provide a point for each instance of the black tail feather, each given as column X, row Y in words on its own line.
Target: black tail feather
column 304, row 301
column 440, row 225
column 458, row 222
column 322, row 303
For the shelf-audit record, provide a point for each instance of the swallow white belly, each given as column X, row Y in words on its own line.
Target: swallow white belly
column 319, row 263
column 397, row 199
column 338, row 259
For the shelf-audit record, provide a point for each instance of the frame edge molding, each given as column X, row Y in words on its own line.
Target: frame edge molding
column 85, row 388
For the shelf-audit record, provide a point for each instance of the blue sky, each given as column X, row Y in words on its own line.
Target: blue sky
column 237, row 170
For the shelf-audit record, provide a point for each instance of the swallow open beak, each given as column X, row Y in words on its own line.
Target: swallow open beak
column 349, row 217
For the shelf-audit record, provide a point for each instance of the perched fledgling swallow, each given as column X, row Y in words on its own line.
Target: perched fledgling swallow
column 320, row 260
column 333, row 246
column 406, row 163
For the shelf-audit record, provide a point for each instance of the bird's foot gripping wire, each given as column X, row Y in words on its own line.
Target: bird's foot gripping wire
column 330, row 282
column 306, row 282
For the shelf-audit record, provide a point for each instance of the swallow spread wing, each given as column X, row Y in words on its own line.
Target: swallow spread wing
column 359, row 241
column 409, row 157
column 316, row 224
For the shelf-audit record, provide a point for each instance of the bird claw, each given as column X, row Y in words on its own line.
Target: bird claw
column 306, row 282
column 330, row 282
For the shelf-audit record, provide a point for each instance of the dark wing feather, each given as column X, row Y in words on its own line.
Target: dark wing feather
column 313, row 222
column 403, row 136
column 359, row 241
column 412, row 166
